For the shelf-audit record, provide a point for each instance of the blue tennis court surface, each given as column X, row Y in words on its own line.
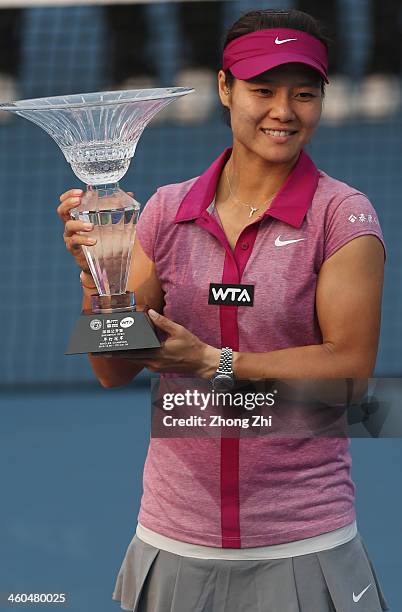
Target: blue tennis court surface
column 72, row 478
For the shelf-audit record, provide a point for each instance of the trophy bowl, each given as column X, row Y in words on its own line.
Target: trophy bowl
column 98, row 134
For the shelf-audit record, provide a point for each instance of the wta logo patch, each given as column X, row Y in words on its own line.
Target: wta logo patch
column 231, row 295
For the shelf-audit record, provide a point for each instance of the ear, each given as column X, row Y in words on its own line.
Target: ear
column 224, row 91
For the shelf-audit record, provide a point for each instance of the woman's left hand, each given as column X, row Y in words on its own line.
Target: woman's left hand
column 181, row 352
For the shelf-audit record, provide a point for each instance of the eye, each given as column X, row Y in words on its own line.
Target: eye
column 306, row 95
column 263, row 91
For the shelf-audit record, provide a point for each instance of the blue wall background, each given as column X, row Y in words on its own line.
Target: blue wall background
column 66, row 51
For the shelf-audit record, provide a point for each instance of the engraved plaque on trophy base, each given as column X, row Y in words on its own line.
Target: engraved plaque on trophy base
column 112, row 330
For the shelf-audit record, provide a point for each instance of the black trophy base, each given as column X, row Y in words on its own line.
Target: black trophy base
column 100, row 332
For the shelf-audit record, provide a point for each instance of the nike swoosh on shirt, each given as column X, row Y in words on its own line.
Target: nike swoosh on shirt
column 357, row 598
column 279, row 242
column 285, row 40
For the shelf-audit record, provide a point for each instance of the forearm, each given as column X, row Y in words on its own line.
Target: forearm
column 113, row 371
column 313, row 361
column 110, row 371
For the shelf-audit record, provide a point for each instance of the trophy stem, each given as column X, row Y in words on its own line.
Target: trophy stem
column 104, row 191
column 114, row 215
column 113, row 303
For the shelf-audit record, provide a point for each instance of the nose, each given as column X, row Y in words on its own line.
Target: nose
column 281, row 106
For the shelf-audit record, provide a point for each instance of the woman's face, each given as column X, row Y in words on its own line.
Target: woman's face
column 275, row 115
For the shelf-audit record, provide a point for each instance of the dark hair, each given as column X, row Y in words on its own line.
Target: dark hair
column 266, row 19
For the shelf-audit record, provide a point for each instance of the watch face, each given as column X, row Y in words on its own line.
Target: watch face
column 222, row 382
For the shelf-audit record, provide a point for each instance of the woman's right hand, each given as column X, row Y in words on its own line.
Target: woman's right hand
column 72, row 237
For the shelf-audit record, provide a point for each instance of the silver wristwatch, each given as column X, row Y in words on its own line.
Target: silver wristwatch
column 223, row 378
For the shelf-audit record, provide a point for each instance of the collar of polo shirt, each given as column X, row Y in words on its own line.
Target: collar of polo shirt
column 290, row 204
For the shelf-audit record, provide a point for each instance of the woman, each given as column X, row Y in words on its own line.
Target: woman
column 253, row 524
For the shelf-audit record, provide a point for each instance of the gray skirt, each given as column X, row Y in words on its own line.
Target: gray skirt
column 341, row 579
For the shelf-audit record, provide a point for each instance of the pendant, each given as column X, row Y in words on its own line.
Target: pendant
column 252, row 211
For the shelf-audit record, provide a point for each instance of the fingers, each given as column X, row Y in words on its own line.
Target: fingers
column 76, row 241
column 68, row 200
column 76, row 235
column 170, row 327
column 73, row 227
column 71, row 193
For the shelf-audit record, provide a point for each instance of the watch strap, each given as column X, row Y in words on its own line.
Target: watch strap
column 226, row 361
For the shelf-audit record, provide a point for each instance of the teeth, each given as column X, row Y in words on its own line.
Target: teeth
column 277, row 132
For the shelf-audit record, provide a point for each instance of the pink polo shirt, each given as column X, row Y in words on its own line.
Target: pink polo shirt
column 260, row 491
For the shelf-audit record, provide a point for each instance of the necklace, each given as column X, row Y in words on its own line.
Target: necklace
column 252, row 208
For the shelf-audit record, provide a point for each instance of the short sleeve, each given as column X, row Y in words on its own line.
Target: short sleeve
column 354, row 216
column 148, row 225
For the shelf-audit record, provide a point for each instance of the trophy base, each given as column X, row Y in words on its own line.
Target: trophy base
column 112, row 329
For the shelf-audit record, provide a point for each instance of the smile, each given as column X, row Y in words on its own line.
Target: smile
column 278, row 133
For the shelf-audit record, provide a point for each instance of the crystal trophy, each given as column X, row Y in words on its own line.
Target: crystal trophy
column 98, row 134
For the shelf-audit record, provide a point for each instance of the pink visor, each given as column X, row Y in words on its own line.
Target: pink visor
column 257, row 52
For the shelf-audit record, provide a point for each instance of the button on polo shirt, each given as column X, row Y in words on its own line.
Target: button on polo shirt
column 249, row 492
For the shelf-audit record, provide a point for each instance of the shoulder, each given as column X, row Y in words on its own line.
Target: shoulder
column 342, row 213
column 156, row 221
column 331, row 192
column 335, row 199
column 164, row 203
